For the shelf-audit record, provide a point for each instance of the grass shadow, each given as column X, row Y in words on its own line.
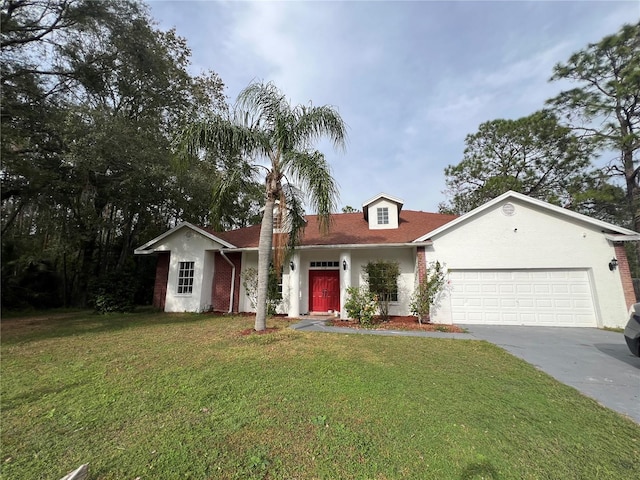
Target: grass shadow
column 54, row 325
column 10, row 402
column 477, row 470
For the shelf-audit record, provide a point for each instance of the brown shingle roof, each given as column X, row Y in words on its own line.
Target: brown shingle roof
column 350, row 229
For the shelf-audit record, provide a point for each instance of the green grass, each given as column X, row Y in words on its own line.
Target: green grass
column 160, row 396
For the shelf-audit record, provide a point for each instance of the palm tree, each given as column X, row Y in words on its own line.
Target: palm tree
column 264, row 132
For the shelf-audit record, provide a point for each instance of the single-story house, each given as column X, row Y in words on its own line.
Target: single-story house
column 513, row 261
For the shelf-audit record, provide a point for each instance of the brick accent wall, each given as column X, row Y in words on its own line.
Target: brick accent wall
column 221, row 287
column 162, row 277
column 625, row 274
column 422, row 263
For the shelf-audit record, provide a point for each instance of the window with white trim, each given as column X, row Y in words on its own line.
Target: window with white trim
column 383, row 216
column 185, row 278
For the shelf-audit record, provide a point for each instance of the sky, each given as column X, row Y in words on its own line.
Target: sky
column 410, row 79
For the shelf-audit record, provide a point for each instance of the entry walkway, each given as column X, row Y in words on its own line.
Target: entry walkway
column 595, row 362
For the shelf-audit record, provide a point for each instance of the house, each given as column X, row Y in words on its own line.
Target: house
column 514, row 260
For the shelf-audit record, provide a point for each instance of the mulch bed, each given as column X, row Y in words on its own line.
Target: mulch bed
column 394, row 323
column 400, row 323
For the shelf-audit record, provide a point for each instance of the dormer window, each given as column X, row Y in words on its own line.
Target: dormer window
column 383, row 216
column 382, row 212
column 277, row 221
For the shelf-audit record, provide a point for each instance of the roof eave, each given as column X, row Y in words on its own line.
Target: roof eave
column 147, row 248
column 533, row 201
column 623, row 238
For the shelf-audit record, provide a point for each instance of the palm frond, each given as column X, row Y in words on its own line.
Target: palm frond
column 296, row 223
column 264, row 101
column 217, row 137
column 235, row 177
column 314, row 123
column 310, row 172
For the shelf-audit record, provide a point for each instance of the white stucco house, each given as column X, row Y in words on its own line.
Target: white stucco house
column 513, row 261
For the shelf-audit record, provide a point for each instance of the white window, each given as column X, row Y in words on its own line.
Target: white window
column 383, row 216
column 185, row 278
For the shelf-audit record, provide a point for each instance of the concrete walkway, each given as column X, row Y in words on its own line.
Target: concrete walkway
column 595, row 362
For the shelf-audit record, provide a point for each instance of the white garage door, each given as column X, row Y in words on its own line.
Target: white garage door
column 522, row 297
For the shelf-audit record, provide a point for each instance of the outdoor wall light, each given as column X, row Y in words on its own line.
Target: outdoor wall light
column 344, row 264
column 613, row 264
column 292, row 265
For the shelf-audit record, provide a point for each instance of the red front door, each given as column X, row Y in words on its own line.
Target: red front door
column 324, row 290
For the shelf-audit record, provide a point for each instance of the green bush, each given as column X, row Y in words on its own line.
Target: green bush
column 113, row 292
column 274, row 294
column 361, row 304
column 381, row 277
column 427, row 294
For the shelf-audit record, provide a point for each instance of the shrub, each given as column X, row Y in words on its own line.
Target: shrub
column 427, row 294
column 382, row 279
column 361, row 304
column 250, row 284
column 113, row 292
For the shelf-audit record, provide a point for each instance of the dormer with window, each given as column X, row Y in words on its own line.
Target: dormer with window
column 382, row 212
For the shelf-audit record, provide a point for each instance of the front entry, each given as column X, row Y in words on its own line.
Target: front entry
column 324, row 290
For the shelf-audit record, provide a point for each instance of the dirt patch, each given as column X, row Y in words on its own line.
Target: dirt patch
column 251, row 331
column 400, row 323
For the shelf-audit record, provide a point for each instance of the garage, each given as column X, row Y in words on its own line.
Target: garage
column 552, row 297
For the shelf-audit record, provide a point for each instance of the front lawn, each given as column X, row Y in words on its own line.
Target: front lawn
column 158, row 396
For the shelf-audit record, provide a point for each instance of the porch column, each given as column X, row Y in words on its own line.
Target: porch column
column 345, row 280
column 294, row 286
column 421, row 260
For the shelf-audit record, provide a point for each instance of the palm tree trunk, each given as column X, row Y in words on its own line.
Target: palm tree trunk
column 264, row 259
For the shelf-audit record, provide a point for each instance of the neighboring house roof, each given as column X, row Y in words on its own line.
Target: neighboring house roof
column 604, row 226
column 349, row 229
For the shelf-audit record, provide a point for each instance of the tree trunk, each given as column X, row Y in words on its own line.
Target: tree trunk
column 264, row 259
column 633, row 192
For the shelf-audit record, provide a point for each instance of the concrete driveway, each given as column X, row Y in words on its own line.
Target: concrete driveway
column 595, row 362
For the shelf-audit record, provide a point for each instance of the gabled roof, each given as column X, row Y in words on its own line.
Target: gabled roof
column 605, row 226
column 398, row 201
column 349, row 229
column 148, row 247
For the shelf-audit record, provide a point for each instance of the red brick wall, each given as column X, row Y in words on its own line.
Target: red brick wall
column 625, row 274
column 162, row 277
column 422, row 263
column 221, row 287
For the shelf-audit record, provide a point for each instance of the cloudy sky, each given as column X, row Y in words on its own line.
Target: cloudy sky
column 411, row 79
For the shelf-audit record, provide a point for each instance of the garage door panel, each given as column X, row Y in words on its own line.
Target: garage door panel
column 522, row 297
column 582, row 304
column 541, row 303
column 539, row 289
column 558, row 289
column 527, row 317
column 563, row 303
column 539, row 275
column 580, row 289
column 524, row 289
column 505, row 288
column 489, row 288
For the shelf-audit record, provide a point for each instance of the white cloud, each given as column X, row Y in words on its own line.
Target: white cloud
column 411, row 79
